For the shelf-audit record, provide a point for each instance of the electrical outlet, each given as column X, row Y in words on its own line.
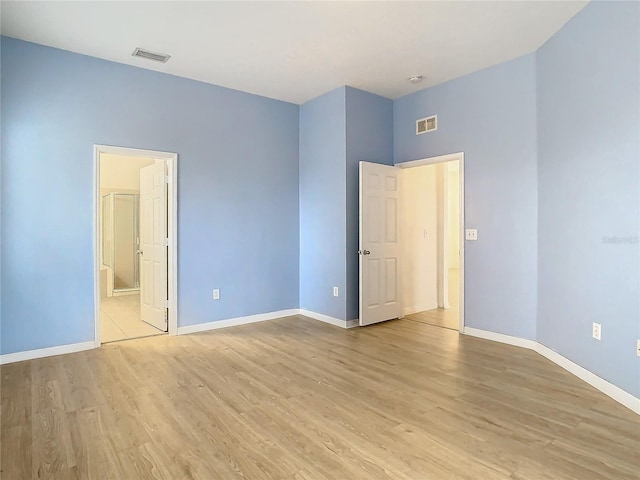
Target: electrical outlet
column 216, row 294
column 471, row 234
column 638, row 348
column 335, row 291
column 596, row 331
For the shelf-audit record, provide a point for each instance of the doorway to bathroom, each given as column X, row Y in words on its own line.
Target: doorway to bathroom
column 135, row 253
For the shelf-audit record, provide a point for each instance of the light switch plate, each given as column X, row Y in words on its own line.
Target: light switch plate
column 216, row 294
column 471, row 234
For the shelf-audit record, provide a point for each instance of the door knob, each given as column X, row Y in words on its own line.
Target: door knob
column 139, row 252
column 364, row 252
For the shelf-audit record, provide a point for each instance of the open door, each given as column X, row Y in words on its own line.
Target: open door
column 380, row 247
column 153, row 245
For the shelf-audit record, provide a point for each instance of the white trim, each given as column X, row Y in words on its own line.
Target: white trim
column 233, row 322
column 431, row 160
column 96, row 246
column 499, row 337
column 609, row 389
column 459, row 156
column 172, row 199
column 330, row 320
column 172, row 228
column 418, row 308
column 124, row 293
column 45, row 352
column 201, row 327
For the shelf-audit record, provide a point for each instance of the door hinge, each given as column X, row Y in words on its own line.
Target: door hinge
column 167, row 179
column 166, row 304
column 165, row 242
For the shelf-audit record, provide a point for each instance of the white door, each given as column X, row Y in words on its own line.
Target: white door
column 380, row 247
column 153, row 245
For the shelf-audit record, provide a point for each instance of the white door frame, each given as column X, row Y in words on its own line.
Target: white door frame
column 442, row 159
column 172, row 226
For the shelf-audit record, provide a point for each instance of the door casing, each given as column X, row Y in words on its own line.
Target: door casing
column 172, row 229
column 443, row 159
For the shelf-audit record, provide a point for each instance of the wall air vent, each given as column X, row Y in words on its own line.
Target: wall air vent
column 426, row 125
column 156, row 57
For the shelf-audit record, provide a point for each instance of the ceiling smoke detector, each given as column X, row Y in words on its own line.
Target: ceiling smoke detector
column 156, row 57
column 415, row 79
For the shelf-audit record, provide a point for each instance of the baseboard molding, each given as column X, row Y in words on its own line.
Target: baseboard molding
column 233, row 322
column 616, row 393
column 46, row 352
column 621, row 396
column 327, row 319
column 201, row 327
column 499, row 337
column 420, row 308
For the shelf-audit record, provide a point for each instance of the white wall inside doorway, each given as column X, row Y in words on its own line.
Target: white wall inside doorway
column 420, row 239
column 432, row 219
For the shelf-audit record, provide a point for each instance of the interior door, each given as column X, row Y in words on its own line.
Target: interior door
column 153, row 245
column 380, row 247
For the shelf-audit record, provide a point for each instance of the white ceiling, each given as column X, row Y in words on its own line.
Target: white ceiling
column 295, row 51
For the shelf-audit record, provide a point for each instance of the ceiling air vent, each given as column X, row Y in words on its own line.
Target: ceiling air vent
column 426, row 125
column 156, row 57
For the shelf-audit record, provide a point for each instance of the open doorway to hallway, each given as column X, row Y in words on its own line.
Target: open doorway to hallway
column 431, row 244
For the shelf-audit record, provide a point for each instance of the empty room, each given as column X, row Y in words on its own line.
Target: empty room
column 320, row 240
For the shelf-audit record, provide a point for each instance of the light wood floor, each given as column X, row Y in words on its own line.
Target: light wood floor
column 298, row 399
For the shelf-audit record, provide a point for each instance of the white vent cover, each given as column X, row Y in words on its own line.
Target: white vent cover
column 156, row 57
column 426, row 124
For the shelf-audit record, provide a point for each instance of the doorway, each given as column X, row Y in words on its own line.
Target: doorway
column 431, row 244
column 135, row 251
column 431, row 284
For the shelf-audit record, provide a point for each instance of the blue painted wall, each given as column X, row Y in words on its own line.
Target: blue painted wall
column 238, row 189
column 323, row 204
column 370, row 138
column 491, row 117
column 588, row 80
column 268, row 191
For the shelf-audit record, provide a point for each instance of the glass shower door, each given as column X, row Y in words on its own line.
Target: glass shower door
column 125, row 241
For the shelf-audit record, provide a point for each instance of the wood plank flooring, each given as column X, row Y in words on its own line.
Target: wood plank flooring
column 296, row 399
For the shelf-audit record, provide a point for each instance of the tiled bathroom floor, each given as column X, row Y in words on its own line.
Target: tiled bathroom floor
column 120, row 319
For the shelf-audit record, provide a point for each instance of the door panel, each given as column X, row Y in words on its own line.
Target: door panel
column 380, row 248
column 153, row 256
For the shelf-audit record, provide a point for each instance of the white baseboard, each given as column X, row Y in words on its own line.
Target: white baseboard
column 423, row 307
column 499, row 337
column 609, row 389
column 232, row 322
column 46, row 352
column 327, row 319
column 201, row 327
